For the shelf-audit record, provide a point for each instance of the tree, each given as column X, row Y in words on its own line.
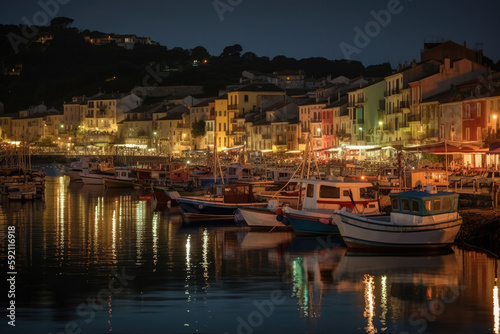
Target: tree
column 200, row 53
column 249, row 56
column 61, row 22
column 232, row 51
column 198, row 129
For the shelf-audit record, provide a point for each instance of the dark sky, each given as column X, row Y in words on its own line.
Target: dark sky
column 294, row 28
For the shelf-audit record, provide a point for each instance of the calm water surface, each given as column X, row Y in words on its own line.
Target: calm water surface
column 90, row 260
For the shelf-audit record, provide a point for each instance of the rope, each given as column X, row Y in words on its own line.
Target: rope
column 459, row 237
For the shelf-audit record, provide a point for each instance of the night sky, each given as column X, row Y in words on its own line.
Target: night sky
column 294, row 28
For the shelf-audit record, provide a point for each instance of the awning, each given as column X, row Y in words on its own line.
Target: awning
column 442, row 148
column 495, row 151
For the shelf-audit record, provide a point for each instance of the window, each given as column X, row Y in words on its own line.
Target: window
column 478, row 133
column 415, row 207
column 329, row 192
column 446, row 204
column 467, row 134
column 310, row 190
column 395, row 204
column 428, row 205
column 346, row 193
column 405, row 203
column 478, row 109
column 437, row 205
column 246, row 98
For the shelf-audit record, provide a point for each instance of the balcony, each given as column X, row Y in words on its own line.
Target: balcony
column 414, row 118
column 266, row 136
column 404, row 104
column 232, row 107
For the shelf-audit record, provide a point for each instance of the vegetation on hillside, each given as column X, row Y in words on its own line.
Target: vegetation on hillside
column 68, row 66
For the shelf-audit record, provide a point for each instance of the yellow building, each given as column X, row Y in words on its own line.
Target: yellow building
column 221, row 122
column 251, row 98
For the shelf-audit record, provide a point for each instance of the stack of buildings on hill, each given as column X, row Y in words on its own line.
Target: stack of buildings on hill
column 448, row 96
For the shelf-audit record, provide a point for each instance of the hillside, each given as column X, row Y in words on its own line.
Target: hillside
column 67, row 66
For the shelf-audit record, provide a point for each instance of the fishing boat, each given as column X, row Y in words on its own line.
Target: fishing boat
column 220, row 205
column 122, row 178
column 259, row 216
column 77, row 167
column 426, row 220
column 96, row 176
column 169, row 194
column 26, row 191
column 322, row 198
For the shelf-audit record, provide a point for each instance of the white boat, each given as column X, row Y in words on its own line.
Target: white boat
column 419, row 220
column 85, row 163
column 322, row 198
column 122, row 178
column 96, row 176
column 261, row 216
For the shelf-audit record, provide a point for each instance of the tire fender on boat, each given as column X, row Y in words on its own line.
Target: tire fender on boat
column 325, row 221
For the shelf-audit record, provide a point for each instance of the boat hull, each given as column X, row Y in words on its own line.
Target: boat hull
column 311, row 222
column 92, row 179
column 205, row 210
column 365, row 233
column 259, row 217
column 163, row 194
column 74, row 175
column 116, row 183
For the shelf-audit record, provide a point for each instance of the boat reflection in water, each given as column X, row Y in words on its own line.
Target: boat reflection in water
column 402, row 291
column 314, row 261
column 217, row 279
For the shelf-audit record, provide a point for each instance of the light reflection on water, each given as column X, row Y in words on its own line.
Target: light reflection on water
column 222, row 279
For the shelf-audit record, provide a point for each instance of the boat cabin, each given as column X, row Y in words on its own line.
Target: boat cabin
column 327, row 194
column 424, row 203
column 240, row 173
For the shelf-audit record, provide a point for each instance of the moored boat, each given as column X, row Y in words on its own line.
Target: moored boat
column 419, row 220
column 221, row 206
column 321, row 198
column 122, row 178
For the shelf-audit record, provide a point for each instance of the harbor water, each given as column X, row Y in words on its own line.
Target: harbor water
column 96, row 260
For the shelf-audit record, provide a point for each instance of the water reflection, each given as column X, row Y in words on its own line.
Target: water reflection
column 202, row 278
column 313, row 263
column 496, row 309
column 369, row 313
